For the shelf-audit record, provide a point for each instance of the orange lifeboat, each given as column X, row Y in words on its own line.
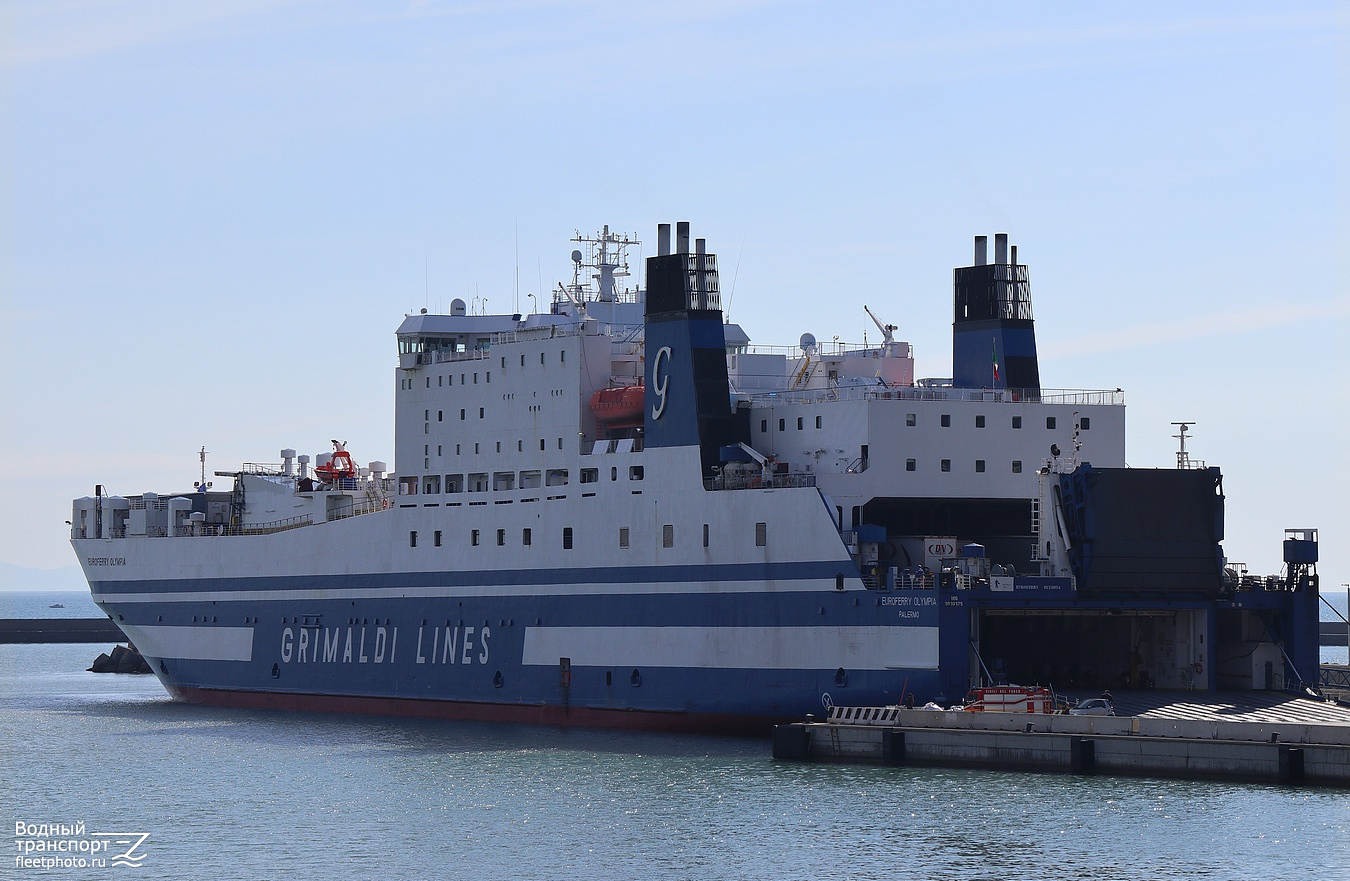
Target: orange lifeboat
column 339, row 467
column 619, row 407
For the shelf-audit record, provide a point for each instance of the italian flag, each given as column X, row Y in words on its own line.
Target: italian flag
column 994, row 348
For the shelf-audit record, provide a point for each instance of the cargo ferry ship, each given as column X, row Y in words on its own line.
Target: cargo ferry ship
column 618, row 512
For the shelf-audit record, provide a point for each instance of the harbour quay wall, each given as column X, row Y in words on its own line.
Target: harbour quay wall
column 52, row 630
column 1086, row 745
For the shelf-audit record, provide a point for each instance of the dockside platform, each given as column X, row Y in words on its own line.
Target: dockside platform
column 1253, row 736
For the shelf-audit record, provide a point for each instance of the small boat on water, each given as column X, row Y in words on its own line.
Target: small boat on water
column 57, row 606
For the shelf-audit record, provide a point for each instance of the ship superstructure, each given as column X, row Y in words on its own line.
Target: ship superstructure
column 615, row 510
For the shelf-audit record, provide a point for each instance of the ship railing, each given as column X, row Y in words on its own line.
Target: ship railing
column 356, row 509
column 219, row 529
column 906, row 580
column 826, row 349
column 1334, row 676
column 1074, row 397
column 483, row 350
column 263, row 469
column 446, row 356
column 269, row 527
column 758, row 481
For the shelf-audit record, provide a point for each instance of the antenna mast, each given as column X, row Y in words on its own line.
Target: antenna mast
column 1184, row 459
column 202, row 484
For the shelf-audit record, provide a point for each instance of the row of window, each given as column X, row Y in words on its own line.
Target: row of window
column 482, row 412
column 946, row 465
column 912, row 419
column 782, row 424
column 498, row 481
column 1084, row 422
column 527, row 537
column 448, row 379
column 478, row 447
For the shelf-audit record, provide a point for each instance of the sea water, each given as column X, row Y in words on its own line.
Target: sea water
column 226, row 793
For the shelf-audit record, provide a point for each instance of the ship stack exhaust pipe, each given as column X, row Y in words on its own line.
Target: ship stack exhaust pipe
column 686, row 389
column 662, row 239
column 993, row 331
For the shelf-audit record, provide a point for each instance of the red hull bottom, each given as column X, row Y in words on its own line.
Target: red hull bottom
column 536, row 714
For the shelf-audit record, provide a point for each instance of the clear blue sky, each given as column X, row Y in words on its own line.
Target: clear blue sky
column 218, row 213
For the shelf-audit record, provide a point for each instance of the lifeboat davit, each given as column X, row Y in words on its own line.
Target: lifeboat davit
column 340, row 467
column 619, row 407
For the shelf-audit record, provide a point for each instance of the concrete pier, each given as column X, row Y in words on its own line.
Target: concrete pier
column 48, row 630
column 1274, row 752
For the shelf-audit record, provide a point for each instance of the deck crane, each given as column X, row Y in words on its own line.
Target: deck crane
column 887, row 332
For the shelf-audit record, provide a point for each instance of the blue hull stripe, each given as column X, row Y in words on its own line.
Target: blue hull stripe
column 489, row 578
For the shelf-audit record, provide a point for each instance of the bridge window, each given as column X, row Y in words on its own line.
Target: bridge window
column 946, row 420
column 1017, row 466
column 979, row 466
column 911, row 420
column 567, row 530
column 946, row 464
column 1017, row 422
column 979, row 421
column 1084, row 423
column 1049, row 422
column 909, row 464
